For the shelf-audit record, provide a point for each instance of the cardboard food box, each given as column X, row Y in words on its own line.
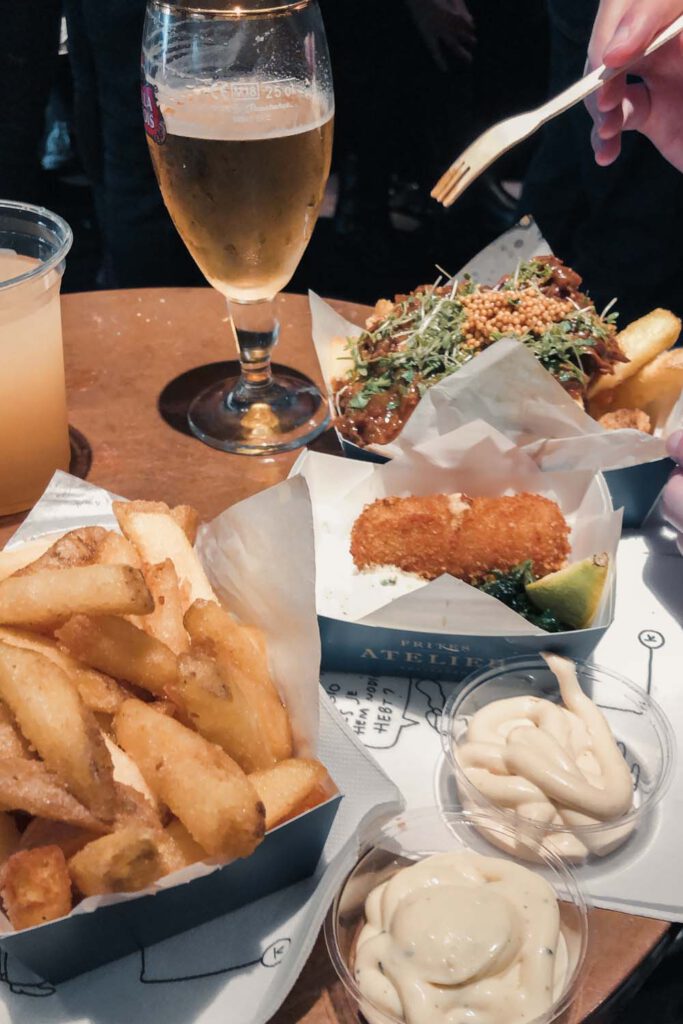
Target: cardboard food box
column 507, row 387
column 388, row 623
column 259, row 557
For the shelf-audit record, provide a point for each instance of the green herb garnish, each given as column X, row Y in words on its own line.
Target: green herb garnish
column 509, row 587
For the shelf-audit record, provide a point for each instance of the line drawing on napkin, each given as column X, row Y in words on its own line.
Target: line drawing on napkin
column 378, row 709
column 653, row 640
column 34, row 989
column 272, row 955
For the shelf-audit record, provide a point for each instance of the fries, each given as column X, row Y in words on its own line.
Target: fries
column 120, row 649
column 166, row 621
column 53, row 718
column 52, row 595
column 15, row 559
column 654, row 389
column 125, row 861
column 158, row 533
column 35, row 886
column 221, row 712
column 31, row 787
column 88, row 621
column 241, row 654
column 98, row 692
column 640, row 342
column 197, row 780
column 284, row 787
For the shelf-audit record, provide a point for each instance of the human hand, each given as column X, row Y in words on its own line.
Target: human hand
column 622, row 30
column 446, row 25
column 672, row 497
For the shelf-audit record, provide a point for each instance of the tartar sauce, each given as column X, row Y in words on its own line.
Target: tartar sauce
column 460, row 938
column 558, row 766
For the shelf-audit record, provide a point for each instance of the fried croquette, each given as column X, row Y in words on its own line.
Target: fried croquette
column 635, row 419
column 466, row 537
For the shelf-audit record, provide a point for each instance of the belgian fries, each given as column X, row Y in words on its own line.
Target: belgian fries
column 654, row 389
column 120, row 649
column 54, row 720
column 640, row 342
column 52, row 595
column 241, row 654
column 197, row 780
column 35, row 886
column 88, row 622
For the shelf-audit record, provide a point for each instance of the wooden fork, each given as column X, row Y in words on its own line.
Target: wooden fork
column 506, row 134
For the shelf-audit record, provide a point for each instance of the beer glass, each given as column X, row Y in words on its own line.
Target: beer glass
column 238, row 109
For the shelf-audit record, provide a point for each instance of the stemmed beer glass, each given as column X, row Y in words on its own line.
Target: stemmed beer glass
column 238, row 108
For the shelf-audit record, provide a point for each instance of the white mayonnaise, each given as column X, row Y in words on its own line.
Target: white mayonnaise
column 555, row 765
column 459, row 937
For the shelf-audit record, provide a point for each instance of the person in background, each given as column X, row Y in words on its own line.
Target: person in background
column 141, row 246
column 617, row 225
column 652, row 106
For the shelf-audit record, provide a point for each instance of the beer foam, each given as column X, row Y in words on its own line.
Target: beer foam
column 244, row 111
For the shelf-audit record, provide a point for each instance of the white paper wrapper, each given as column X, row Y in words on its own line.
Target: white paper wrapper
column 475, row 460
column 253, row 553
column 504, row 385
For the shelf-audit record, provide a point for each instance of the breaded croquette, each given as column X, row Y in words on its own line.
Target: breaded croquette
column 466, row 537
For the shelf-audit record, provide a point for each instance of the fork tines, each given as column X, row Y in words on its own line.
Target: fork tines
column 452, row 183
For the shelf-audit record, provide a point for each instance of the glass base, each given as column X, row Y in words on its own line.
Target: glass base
column 286, row 414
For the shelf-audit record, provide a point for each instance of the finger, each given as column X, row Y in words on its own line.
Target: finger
column 637, row 29
column 608, row 17
column 611, row 94
column 674, row 446
column 606, row 150
column 610, row 124
column 636, row 107
column 672, row 500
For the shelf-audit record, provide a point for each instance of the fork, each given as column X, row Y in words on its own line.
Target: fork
column 503, row 136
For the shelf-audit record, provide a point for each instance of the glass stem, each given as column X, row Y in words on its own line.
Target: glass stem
column 256, row 330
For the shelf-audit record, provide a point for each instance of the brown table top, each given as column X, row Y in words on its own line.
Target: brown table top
column 122, row 349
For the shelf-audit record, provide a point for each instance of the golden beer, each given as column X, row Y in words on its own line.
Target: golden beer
column 243, row 179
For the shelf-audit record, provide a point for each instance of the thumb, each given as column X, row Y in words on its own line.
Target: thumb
column 637, row 29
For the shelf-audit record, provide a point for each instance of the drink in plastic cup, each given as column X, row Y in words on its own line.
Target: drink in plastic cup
column 34, row 433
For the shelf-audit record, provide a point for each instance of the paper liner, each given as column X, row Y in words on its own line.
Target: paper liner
column 259, row 555
column 475, row 460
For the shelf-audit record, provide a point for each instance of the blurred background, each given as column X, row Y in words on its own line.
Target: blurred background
column 415, row 81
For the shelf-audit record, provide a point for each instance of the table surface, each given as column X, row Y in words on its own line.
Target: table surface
column 121, row 351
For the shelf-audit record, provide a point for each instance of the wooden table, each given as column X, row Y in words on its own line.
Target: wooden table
column 122, row 349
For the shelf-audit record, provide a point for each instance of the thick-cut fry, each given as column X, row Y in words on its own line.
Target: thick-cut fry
column 54, row 594
column 43, row 832
column 655, row 389
column 132, row 808
column 9, row 836
column 190, row 851
column 128, row 775
column 77, row 547
column 35, row 886
column 12, row 743
column 221, row 712
column 124, row 861
column 286, row 786
column 241, row 653
column 158, row 534
column 640, row 342
column 98, row 692
column 120, row 649
column 117, row 550
column 53, row 718
column 16, row 558
column 197, row 780
column 30, row 786
column 166, row 621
